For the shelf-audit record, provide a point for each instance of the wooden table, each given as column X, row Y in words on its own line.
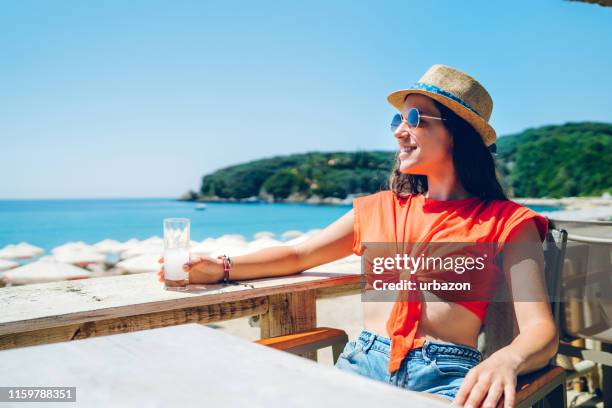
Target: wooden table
column 193, row 365
column 71, row 310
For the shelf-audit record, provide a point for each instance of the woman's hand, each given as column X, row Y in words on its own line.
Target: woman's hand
column 201, row 270
column 488, row 381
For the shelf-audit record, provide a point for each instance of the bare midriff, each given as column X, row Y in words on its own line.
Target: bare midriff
column 440, row 321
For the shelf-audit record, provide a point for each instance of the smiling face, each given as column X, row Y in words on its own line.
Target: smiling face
column 428, row 148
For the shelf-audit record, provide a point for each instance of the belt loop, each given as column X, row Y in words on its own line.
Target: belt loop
column 369, row 343
column 426, row 348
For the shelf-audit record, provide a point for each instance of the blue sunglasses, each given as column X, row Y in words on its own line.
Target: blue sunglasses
column 412, row 119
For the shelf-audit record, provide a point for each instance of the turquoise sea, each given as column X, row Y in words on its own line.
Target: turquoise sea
column 49, row 223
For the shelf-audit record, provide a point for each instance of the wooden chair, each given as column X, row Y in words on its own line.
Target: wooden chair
column 587, row 313
column 543, row 388
column 309, row 341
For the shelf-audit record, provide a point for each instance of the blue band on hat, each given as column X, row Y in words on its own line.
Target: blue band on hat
column 440, row 91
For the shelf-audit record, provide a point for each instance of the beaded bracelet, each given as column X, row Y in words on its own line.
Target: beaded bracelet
column 227, row 265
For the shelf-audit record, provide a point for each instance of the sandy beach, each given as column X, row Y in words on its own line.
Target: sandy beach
column 574, row 208
column 344, row 312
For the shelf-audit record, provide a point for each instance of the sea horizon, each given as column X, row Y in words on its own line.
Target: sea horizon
column 48, row 223
column 52, row 222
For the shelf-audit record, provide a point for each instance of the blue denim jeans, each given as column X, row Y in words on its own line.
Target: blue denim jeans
column 437, row 367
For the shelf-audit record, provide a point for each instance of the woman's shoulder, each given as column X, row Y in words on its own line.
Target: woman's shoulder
column 512, row 214
column 379, row 195
column 368, row 204
column 507, row 207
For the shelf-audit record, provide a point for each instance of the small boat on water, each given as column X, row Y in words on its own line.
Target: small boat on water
column 200, row 206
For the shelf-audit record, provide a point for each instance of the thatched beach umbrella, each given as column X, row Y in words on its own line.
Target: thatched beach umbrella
column 43, row 271
column 142, row 248
column 206, row 247
column 264, row 234
column 109, row 246
column 231, row 238
column 32, row 249
column 152, row 245
column 6, row 265
column 154, row 240
column 73, row 247
column 22, row 250
column 140, row 264
column 287, row 235
column 79, row 257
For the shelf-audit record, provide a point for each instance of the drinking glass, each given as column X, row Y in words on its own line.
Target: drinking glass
column 176, row 253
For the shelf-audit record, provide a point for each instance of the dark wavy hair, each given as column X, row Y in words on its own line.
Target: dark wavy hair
column 472, row 159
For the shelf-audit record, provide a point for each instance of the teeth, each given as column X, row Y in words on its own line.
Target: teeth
column 407, row 149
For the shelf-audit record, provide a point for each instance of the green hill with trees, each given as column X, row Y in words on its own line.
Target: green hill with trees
column 574, row 159
column 300, row 176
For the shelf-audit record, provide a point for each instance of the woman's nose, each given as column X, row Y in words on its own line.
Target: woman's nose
column 402, row 131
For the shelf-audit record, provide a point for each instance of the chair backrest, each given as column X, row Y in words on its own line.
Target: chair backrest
column 586, row 286
column 500, row 325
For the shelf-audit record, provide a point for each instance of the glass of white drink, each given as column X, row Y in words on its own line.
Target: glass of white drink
column 176, row 253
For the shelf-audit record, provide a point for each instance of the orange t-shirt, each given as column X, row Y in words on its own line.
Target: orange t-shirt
column 384, row 217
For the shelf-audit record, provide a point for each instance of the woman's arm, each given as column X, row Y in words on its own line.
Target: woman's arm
column 537, row 341
column 333, row 242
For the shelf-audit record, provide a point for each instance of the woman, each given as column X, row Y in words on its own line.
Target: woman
column 443, row 188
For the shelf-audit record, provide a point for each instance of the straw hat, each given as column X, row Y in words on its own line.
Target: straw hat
column 457, row 91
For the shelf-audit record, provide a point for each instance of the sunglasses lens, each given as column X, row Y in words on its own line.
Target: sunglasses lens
column 396, row 121
column 413, row 117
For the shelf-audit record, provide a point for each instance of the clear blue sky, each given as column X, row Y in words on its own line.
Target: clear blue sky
column 141, row 98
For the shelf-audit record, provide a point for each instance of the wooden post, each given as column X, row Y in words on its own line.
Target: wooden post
column 290, row 313
column 606, row 380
